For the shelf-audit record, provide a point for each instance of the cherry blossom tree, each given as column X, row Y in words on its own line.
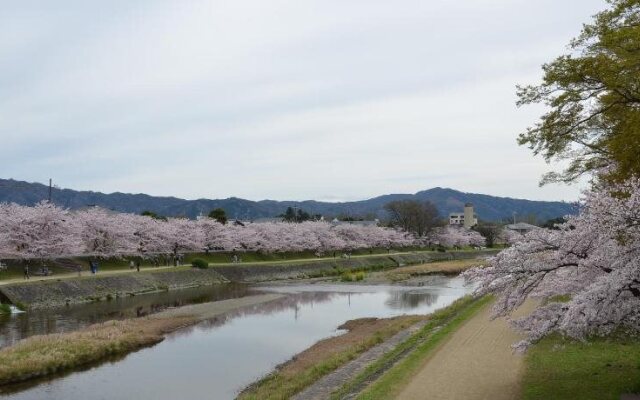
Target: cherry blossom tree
column 104, row 233
column 510, row 236
column 42, row 232
column 182, row 235
column 451, row 236
column 594, row 258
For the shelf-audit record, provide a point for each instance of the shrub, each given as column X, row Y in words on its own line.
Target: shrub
column 199, row 263
column 352, row 276
column 346, row 277
column 5, row 309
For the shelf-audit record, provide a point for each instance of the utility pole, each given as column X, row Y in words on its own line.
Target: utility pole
column 50, row 186
column 514, row 217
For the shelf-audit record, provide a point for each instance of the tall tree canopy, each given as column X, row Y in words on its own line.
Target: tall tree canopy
column 413, row 216
column 594, row 98
column 219, row 215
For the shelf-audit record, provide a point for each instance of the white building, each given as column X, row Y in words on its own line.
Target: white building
column 468, row 219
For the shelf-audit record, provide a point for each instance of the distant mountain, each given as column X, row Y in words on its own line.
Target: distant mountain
column 488, row 208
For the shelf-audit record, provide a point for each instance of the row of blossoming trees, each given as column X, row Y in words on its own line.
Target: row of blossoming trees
column 48, row 231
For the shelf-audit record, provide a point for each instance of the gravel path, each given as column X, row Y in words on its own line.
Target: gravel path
column 475, row 363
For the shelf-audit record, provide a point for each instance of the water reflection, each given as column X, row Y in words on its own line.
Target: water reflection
column 407, row 300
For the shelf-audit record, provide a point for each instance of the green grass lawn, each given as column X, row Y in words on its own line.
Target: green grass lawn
column 601, row 369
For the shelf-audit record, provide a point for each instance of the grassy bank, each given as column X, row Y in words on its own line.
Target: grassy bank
column 47, row 354
column 326, row 356
column 441, row 324
column 600, row 369
column 453, row 267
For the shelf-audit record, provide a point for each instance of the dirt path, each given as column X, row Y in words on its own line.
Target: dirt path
column 476, row 363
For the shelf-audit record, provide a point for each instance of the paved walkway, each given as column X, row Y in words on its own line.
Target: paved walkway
column 475, row 363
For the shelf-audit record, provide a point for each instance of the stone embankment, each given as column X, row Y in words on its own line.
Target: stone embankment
column 53, row 293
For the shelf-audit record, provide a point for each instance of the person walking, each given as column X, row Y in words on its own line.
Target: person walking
column 138, row 265
column 26, row 272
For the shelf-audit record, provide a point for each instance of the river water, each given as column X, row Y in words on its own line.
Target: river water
column 216, row 359
column 64, row 319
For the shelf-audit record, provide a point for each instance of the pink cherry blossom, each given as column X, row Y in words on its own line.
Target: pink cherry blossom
column 594, row 258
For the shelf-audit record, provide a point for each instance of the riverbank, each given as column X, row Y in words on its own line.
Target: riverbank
column 64, row 267
column 382, row 378
column 325, row 356
column 55, row 292
column 337, row 367
column 44, row 355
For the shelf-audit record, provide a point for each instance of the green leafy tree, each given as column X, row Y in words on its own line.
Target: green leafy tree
column 490, row 232
column 153, row 215
column 291, row 215
column 594, row 98
column 219, row 215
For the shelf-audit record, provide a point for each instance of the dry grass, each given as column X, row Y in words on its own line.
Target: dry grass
column 47, row 354
column 326, row 356
column 443, row 267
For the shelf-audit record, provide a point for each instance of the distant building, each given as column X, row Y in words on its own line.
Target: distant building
column 521, row 227
column 265, row 220
column 467, row 219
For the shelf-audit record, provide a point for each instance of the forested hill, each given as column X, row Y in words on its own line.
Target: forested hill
column 488, row 208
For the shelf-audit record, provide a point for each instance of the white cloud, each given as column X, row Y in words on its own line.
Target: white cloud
column 283, row 99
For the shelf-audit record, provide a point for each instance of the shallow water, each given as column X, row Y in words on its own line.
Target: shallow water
column 216, row 359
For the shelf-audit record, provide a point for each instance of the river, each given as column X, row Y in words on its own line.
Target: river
column 216, row 359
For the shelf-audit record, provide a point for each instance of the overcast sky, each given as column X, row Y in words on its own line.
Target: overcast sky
column 285, row 99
